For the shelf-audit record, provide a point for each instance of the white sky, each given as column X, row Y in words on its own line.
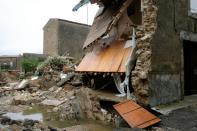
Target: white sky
column 21, row 22
column 194, row 6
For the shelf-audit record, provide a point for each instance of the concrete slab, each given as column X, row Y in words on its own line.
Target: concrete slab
column 109, row 96
column 166, row 109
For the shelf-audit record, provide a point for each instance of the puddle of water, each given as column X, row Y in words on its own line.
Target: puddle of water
column 21, row 116
column 40, row 113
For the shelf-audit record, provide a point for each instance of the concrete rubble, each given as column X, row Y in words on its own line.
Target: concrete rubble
column 69, row 102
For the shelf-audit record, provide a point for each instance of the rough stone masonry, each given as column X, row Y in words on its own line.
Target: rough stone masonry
column 144, row 35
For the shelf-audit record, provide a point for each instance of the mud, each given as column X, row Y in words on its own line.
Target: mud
column 184, row 119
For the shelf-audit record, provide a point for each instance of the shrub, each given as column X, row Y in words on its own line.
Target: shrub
column 55, row 63
column 30, row 64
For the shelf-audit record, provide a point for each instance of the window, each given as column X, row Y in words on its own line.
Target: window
column 135, row 12
column 193, row 8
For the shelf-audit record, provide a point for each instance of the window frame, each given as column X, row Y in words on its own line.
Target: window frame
column 193, row 15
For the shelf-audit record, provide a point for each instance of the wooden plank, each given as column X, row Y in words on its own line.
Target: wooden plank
column 118, row 56
column 93, row 67
column 85, row 61
column 104, row 60
column 104, row 23
column 138, row 117
column 107, row 61
column 125, row 58
column 152, row 122
column 135, row 115
column 99, row 26
column 123, row 107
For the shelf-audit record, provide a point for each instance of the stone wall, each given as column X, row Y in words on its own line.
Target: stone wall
column 63, row 37
column 71, row 38
column 144, row 35
column 165, row 75
column 50, row 43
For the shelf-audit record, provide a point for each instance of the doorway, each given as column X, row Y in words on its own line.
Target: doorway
column 190, row 67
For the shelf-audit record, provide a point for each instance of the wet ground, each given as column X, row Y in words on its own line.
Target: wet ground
column 184, row 119
column 41, row 114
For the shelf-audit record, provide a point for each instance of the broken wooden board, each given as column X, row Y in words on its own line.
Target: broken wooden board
column 135, row 115
column 109, row 59
column 99, row 26
column 103, row 24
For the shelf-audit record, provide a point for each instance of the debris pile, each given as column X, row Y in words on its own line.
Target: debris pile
column 2, row 79
column 132, row 23
column 8, row 77
column 56, row 64
column 56, row 71
column 26, row 125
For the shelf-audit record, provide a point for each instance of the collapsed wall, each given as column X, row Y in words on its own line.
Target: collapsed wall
column 144, row 35
column 116, row 24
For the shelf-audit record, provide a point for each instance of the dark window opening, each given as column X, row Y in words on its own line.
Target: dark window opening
column 100, row 83
column 190, row 68
column 135, row 13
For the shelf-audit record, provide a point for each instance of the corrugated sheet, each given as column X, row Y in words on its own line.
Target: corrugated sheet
column 110, row 59
column 135, row 115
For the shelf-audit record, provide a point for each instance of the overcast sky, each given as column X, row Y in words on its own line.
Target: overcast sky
column 194, row 6
column 21, row 22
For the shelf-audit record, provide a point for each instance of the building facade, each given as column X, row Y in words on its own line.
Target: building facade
column 163, row 62
column 62, row 37
column 173, row 60
column 10, row 62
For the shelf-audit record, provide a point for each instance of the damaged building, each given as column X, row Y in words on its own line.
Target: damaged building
column 10, row 62
column 57, row 34
column 147, row 47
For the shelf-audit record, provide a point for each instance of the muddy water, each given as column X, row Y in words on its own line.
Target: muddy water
column 21, row 116
column 50, row 118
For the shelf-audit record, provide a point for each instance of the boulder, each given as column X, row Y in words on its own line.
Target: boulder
column 23, row 84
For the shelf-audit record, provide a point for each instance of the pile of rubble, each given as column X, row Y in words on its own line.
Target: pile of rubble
column 56, row 64
column 7, row 77
column 56, row 71
column 26, row 125
column 2, row 79
column 70, row 102
column 133, row 24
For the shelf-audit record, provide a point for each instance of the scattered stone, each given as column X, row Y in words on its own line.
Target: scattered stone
column 66, row 79
column 52, row 102
column 23, row 84
column 52, row 128
column 76, row 83
column 29, row 123
column 55, row 109
column 5, row 121
column 128, row 129
column 75, row 128
column 25, row 99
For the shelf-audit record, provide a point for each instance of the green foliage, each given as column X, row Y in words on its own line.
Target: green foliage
column 30, row 64
column 4, row 67
column 55, row 63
